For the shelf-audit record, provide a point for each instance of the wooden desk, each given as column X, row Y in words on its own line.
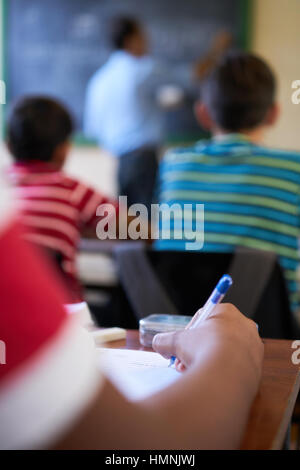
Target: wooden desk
column 273, row 407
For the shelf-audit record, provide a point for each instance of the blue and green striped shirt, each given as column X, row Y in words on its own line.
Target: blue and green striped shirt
column 251, row 197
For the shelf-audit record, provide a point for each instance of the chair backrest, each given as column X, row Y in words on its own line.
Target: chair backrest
column 188, row 279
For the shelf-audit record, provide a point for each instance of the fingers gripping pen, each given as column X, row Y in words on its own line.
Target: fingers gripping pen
column 216, row 298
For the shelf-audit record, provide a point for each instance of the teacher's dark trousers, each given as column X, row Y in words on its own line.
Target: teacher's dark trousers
column 137, row 175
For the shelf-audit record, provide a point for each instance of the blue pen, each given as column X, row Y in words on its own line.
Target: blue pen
column 216, row 297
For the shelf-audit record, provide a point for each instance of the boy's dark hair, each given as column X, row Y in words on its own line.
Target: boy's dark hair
column 37, row 125
column 239, row 92
column 121, row 28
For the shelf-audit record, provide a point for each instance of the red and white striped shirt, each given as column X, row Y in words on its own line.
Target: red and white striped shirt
column 48, row 374
column 55, row 210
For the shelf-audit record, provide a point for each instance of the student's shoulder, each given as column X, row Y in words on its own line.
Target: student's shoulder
column 284, row 163
column 76, row 187
column 186, row 154
column 68, row 181
column 84, row 193
column 278, row 154
column 187, row 151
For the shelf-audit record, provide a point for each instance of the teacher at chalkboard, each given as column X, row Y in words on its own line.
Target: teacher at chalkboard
column 122, row 111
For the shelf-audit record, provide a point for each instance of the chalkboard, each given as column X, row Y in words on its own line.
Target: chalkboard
column 53, row 47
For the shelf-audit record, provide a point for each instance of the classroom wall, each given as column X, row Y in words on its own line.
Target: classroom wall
column 276, row 36
column 95, row 167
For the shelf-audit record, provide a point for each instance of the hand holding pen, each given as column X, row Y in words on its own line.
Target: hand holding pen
column 216, row 298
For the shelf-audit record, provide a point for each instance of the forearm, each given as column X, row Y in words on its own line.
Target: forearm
column 219, row 46
column 207, row 408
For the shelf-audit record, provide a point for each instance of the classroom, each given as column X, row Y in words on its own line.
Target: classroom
column 150, row 228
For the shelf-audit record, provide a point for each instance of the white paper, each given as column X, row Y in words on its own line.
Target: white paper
column 137, row 374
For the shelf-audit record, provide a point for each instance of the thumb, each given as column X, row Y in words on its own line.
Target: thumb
column 165, row 344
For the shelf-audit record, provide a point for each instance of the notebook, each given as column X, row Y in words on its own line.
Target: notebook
column 137, row 374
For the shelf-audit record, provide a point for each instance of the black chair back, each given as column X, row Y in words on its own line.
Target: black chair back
column 189, row 278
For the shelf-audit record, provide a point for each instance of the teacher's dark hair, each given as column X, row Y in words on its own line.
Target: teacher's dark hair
column 239, row 92
column 36, row 127
column 121, row 28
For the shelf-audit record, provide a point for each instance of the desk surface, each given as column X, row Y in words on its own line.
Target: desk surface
column 273, row 407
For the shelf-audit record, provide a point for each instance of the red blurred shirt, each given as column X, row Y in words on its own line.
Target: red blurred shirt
column 49, row 373
column 55, row 209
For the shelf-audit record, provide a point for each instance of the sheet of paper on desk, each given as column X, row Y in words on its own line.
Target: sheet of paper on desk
column 137, row 373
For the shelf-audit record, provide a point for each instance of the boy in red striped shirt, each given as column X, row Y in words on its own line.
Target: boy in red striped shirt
column 55, row 208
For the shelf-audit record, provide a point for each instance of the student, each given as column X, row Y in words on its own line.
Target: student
column 52, row 394
column 56, row 209
column 251, row 193
column 121, row 110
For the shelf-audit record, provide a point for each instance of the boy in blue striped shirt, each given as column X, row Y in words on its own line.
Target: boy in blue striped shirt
column 251, row 193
